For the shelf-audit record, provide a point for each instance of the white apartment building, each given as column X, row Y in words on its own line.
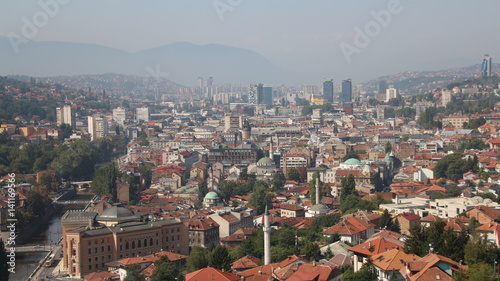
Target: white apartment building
column 98, row 126
column 65, row 115
column 119, row 115
column 142, row 113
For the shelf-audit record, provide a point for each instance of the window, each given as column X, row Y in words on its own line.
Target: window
column 90, row 251
column 145, row 242
column 95, row 250
column 126, row 246
column 151, row 241
column 109, row 248
column 102, row 249
column 133, row 244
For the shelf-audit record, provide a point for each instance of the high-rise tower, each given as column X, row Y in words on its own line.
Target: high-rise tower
column 256, row 94
column 346, row 94
column 267, row 92
column 486, row 67
column 328, row 90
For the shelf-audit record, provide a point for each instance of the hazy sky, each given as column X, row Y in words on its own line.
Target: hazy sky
column 297, row 35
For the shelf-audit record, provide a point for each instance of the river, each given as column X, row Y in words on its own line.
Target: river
column 26, row 263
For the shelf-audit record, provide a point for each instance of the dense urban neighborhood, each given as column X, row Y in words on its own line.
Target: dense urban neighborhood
column 255, row 182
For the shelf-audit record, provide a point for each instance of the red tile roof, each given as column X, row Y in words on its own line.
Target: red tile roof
column 409, row 216
column 349, row 226
column 377, row 246
column 210, row 274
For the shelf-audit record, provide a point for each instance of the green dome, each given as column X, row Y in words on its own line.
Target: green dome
column 212, row 195
column 352, row 161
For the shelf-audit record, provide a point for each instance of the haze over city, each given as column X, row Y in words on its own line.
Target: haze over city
column 306, row 40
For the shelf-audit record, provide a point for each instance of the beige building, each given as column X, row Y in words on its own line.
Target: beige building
column 455, row 121
column 90, row 241
column 203, row 232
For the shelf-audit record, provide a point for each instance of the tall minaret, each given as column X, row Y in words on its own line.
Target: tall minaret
column 267, row 239
column 317, row 188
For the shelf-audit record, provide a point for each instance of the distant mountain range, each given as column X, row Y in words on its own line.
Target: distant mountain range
column 184, row 62
column 180, row 62
column 413, row 82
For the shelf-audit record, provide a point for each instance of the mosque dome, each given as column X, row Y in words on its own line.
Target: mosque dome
column 352, row 161
column 212, row 195
column 265, row 161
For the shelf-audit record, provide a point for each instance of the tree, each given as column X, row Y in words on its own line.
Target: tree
column 452, row 167
column 474, row 143
column 219, row 258
column 202, row 191
column 104, row 181
column 366, row 273
column 66, row 130
column 280, row 253
column 76, row 160
column 293, row 175
column 227, row 190
column 133, row 273
column 453, row 246
column 278, row 180
column 311, row 251
column 198, row 259
column 385, row 220
column 478, row 250
column 388, row 147
column 416, row 241
column 104, row 149
column 481, row 272
column 349, row 203
column 348, row 187
column 4, row 267
column 243, row 174
column 165, row 270
column 147, row 175
column 261, row 197
column 36, row 203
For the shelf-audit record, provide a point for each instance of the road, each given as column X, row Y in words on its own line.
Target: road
column 54, row 270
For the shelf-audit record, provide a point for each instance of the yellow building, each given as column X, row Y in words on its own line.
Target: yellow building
column 317, row 100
